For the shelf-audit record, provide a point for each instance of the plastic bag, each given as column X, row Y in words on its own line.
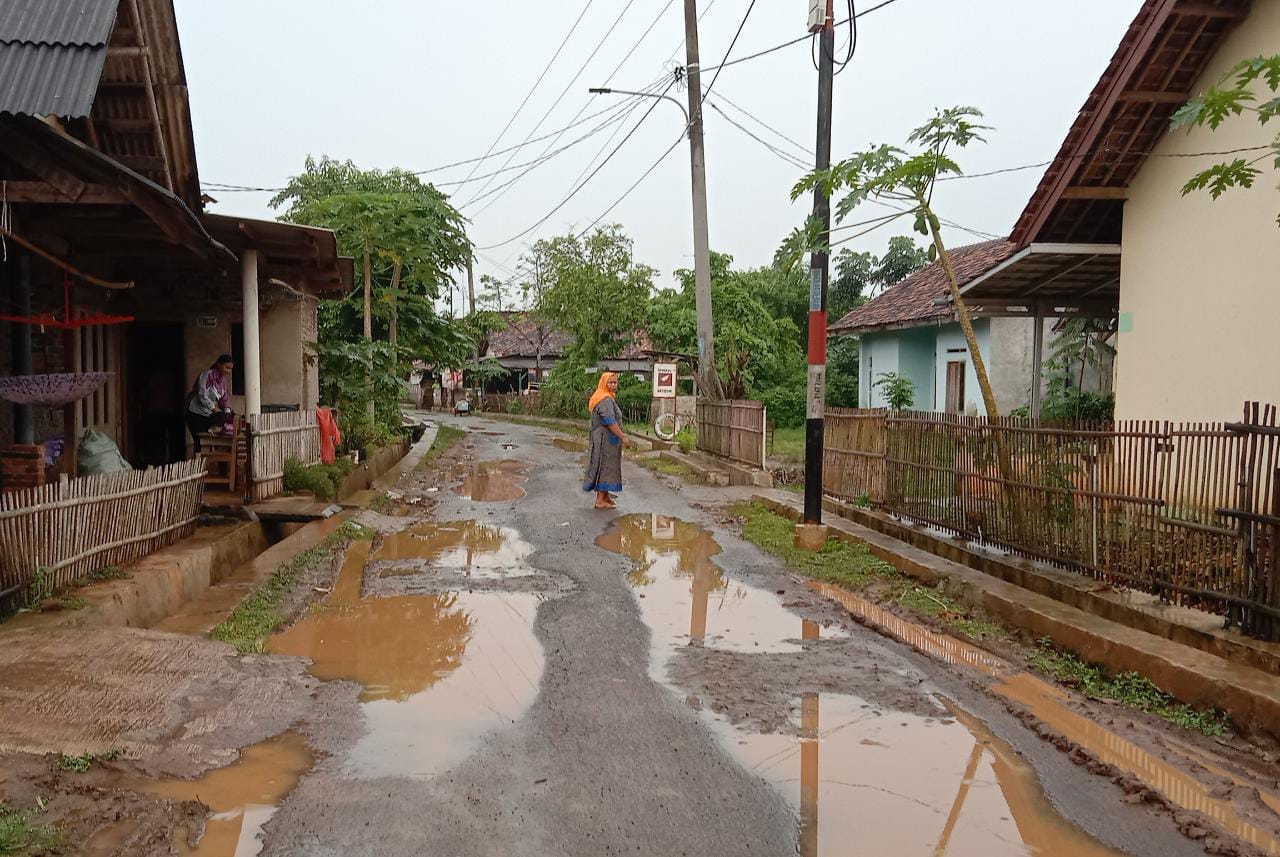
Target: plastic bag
column 98, row 453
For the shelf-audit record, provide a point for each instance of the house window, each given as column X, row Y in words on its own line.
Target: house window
column 237, row 355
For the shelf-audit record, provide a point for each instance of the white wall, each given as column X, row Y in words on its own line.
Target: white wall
column 1200, row 280
column 878, row 354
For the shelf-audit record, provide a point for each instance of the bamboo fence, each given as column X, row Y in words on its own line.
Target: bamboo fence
column 66, row 530
column 735, row 429
column 273, row 440
column 1184, row 511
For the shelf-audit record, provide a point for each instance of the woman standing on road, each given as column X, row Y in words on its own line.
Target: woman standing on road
column 604, row 454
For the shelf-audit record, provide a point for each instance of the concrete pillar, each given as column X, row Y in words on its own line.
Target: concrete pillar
column 1037, row 361
column 252, row 339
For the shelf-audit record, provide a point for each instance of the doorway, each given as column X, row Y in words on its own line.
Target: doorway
column 955, row 386
column 157, row 391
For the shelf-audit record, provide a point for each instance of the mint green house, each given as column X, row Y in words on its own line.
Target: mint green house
column 910, row 330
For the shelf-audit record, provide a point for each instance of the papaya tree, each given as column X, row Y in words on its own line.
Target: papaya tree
column 905, row 180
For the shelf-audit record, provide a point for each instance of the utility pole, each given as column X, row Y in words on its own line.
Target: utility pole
column 709, row 379
column 819, row 275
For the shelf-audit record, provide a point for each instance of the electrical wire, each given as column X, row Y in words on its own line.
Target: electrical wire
column 581, row 185
column 786, row 156
column 763, row 124
column 864, row 13
column 624, row 111
column 634, row 185
column 536, row 84
column 600, row 44
column 728, row 53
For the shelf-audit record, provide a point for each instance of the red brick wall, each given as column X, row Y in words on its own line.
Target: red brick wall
column 22, row 467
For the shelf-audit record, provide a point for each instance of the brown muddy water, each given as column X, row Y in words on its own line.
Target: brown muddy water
column 687, row 600
column 1050, row 704
column 491, row 481
column 438, row 672
column 468, row 549
column 896, row 783
column 242, row 796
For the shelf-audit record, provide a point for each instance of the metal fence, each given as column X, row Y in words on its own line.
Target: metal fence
column 733, row 429
column 66, row 530
column 1185, row 511
column 273, row 440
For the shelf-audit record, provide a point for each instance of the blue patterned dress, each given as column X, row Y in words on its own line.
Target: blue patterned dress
column 604, row 454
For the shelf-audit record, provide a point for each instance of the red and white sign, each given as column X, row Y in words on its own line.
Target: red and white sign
column 664, row 380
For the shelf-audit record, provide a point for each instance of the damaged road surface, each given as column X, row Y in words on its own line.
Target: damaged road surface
column 503, row 670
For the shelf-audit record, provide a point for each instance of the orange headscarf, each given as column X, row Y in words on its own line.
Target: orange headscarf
column 602, row 390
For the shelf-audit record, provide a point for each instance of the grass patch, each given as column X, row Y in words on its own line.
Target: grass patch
column 72, row 602
column 788, row 444
column 111, row 572
column 19, row 835
column 667, row 467
column 1129, row 689
column 82, row 763
column 446, row 437
column 258, row 616
column 854, row 567
column 380, row 503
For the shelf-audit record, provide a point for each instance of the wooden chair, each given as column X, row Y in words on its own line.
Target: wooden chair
column 225, row 456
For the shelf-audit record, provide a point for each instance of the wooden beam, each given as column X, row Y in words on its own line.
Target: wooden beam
column 37, row 162
column 1082, row 192
column 1208, row 10
column 141, row 162
column 1149, row 95
column 45, row 194
column 148, row 71
column 126, row 126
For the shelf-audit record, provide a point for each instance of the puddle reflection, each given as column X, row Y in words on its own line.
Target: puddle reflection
column 467, row 548
column 243, row 796
column 491, row 481
column 901, row 784
column 1049, row 703
column 438, row 672
column 686, row 599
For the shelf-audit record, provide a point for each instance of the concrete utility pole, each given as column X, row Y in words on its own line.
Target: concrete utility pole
column 819, row 275
column 709, row 378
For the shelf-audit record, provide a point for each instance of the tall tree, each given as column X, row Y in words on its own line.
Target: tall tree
column 595, row 290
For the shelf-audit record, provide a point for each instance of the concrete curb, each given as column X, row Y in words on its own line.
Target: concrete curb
column 705, row 473
column 739, row 474
column 1249, row 696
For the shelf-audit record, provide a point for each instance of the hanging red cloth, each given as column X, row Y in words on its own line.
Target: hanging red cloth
column 330, row 435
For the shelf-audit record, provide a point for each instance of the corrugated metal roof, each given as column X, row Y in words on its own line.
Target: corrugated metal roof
column 51, row 55
column 39, row 80
column 57, row 22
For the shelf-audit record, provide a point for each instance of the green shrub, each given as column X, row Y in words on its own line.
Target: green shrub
column 515, row 406
column 322, row 480
column 786, row 404
column 687, row 439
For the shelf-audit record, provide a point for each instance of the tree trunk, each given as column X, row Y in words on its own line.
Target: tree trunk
column 368, row 329
column 395, row 284
column 966, row 324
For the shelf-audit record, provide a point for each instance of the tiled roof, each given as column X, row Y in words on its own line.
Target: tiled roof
column 913, row 300
column 51, row 55
column 521, row 337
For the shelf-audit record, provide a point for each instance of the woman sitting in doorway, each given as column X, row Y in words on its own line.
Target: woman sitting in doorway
column 209, row 402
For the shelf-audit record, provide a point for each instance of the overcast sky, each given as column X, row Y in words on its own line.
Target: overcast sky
column 421, row 83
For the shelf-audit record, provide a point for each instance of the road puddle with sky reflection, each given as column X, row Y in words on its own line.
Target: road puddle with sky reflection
column 896, row 783
column 438, row 672
column 467, row 549
column 490, row 481
column 687, row 600
column 242, row 797
column 1050, row 704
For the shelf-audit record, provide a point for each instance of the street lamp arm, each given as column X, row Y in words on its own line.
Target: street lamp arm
column 603, row 90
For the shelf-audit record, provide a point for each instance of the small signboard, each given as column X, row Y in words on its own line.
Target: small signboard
column 664, row 380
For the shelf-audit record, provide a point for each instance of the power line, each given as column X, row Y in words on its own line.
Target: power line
column 634, row 185
column 728, row 53
column 763, row 124
column 583, row 184
column 619, row 120
column 798, row 40
column 536, row 84
column 600, row 44
column 789, row 158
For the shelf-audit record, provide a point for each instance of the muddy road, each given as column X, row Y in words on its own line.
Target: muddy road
column 503, row 670
column 521, row 674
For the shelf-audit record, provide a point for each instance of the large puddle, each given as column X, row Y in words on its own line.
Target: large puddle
column 491, row 481
column 465, row 548
column 1049, row 703
column 686, row 599
column 242, row 796
column 438, row 672
column 900, row 784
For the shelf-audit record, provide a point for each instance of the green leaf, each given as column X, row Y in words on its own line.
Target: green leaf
column 1221, row 177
